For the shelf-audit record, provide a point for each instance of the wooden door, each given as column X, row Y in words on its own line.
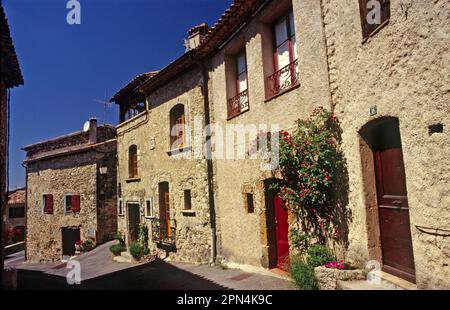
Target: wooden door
column 133, row 221
column 164, row 211
column 281, row 230
column 69, row 237
column 393, row 209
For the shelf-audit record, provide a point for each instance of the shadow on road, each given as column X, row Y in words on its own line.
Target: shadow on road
column 156, row 275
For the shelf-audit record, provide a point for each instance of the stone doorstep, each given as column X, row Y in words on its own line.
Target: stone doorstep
column 259, row 270
column 393, row 281
column 380, row 281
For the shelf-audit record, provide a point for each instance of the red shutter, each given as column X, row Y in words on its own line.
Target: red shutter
column 48, row 204
column 75, row 203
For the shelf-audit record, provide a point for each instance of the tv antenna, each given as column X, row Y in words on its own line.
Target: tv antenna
column 106, row 106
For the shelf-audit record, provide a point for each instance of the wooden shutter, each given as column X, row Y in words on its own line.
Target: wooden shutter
column 370, row 29
column 167, row 206
column 180, row 130
column 75, row 203
column 135, row 165
column 48, row 203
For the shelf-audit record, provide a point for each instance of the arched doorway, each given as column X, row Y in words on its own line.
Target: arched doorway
column 383, row 138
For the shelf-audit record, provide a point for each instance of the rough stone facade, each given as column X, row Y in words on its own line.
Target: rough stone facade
column 244, row 236
column 74, row 168
column 14, row 222
column 403, row 71
column 150, row 131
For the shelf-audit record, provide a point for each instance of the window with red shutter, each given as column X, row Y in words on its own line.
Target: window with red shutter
column 72, row 204
column 48, row 203
column 374, row 15
column 75, row 203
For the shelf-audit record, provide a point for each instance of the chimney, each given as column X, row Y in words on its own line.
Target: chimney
column 92, row 130
column 196, row 35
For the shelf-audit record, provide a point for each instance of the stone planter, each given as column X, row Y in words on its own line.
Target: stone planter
column 327, row 278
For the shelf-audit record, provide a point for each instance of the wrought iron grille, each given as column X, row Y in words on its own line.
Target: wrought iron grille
column 283, row 79
column 160, row 233
column 238, row 104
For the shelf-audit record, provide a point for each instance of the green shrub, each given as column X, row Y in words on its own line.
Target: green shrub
column 120, row 237
column 318, row 255
column 137, row 251
column 116, row 249
column 303, row 274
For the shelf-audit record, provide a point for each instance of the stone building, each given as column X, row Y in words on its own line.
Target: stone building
column 266, row 64
column 16, row 216
column 71, row 192
column 11, row 76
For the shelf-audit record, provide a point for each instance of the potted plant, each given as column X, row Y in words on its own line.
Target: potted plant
column 78, row 247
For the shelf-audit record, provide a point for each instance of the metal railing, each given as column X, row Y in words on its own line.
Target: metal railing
column 238, row 104
column 285, row 78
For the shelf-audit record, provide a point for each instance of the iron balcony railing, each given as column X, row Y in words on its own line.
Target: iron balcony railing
column 161, row 233
column 285, row 78
column 238, row 104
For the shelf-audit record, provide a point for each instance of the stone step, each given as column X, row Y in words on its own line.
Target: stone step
column 378, row 280
column 361, row 285
column 126, row 255
column 120, row 259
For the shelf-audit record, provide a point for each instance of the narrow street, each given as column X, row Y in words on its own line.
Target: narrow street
column 99, row 271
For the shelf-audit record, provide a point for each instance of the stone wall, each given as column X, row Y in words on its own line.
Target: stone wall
column 403, row 71
column 243, row 236
column 150, row 133
column 106, row 156
column 70, row 174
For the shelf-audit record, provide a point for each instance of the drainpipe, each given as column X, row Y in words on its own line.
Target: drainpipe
column 209, row 164
column 26, row 209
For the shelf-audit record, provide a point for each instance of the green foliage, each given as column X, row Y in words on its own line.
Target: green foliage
column 309, row 160
column 120, row 236
column 299, row 240
column 87, row 245
column 116, row 249
column 143, row 235
column 303, row 274
column 138, row 251
column 318, row 255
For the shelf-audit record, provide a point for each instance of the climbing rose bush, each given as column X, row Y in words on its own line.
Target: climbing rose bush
column 308, row 160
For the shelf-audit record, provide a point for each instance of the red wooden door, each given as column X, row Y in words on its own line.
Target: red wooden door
column 281, row 228
column 396, row 243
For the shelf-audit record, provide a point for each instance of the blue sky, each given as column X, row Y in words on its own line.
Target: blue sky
column 67, row 67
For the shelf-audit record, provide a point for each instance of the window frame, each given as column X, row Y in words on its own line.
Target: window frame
column 69, row 212
column 178, row 119
column 289, row 35
column 187, row 198
column 12, row 212
column 44, row 203
column 133, row 162
column 152, row 211
column 243, row 53
column 120, row 209
column 366, row 33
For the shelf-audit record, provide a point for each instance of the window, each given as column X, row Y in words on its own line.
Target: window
column 120, row 207
column 16, row 212
column 187, row 199
column 285, row 57
column 47, row 203
column 239, row 102
column 250, row 204
column 374, row 15
column 132, row 110
column 72, row 204
column 149, row 208
column 177, row 127
column 132, row 162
